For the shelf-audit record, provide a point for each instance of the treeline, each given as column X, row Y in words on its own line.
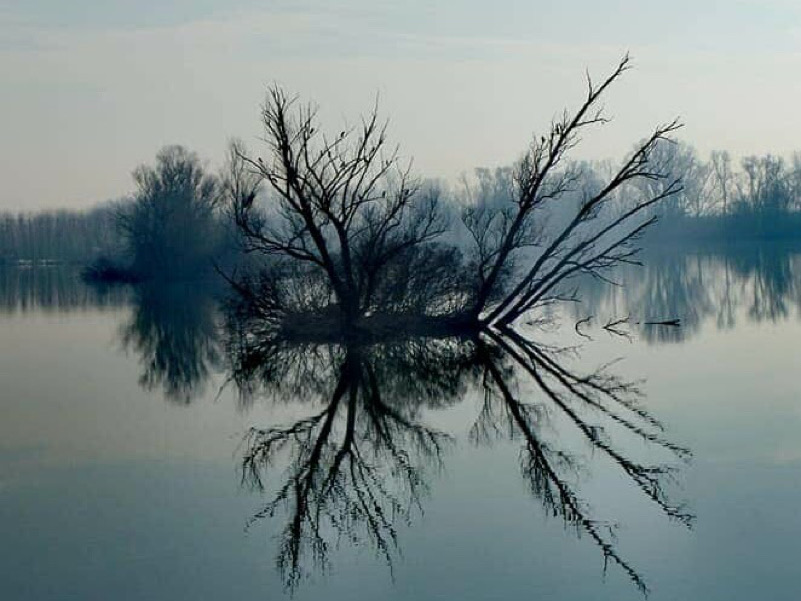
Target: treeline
column 175, row 222
column 757, row 197
column 721, row 199
column 176, row 226
column 61, row 236
column 172, row 227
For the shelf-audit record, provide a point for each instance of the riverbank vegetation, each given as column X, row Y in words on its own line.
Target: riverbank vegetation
column 320, row 227
column 182, row 218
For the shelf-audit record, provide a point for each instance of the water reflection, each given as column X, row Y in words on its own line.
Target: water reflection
column 173, row 330
column 740, row 284
column 54, row 288
column 355, row 440
column 357, row 461
column 360, row 457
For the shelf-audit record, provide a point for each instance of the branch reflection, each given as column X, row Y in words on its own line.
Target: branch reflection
column 359, row 458
column 738, row 284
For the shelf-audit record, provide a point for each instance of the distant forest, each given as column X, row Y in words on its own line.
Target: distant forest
column 171, row 227
column 757, row 198
column 63, row 236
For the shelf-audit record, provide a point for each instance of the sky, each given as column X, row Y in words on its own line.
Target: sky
column 93, row 88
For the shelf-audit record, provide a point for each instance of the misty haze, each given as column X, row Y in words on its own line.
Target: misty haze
column 400, row 302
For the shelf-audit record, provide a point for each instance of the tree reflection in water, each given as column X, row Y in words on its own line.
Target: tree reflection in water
column 173, row 330
column 743, row 283
column 357, row 464
column 359, row 460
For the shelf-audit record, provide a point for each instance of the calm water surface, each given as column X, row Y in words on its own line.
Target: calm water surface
column 130, row 439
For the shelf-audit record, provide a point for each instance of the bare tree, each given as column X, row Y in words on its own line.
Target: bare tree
column 349, row 231
column 345, row 205
column 723, row 176
column 767, row 188
column 593, row 240
column 343, row 213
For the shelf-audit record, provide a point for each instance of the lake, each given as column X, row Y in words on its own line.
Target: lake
column 154, row 447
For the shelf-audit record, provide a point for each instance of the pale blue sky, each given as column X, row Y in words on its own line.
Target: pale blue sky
column 92, row 88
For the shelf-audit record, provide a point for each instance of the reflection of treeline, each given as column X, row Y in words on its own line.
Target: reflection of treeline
column 63, row 236
column 752, row 282
column 172, row 329
column 53, row 288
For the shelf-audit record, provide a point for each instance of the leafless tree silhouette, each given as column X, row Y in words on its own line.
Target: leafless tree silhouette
column 366, row 314
column 342, row 215
column 598, row 236
column 344, row 207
